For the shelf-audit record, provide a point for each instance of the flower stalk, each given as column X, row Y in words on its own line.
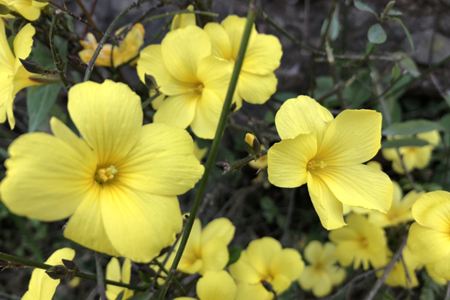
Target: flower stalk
column 56, row 59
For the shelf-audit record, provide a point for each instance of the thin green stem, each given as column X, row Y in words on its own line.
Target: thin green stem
column 198, row 12
column 215, row 144
column 105, row 37
column 161, row 267
column 100, row 277
column 56, row 59
column 149, row 100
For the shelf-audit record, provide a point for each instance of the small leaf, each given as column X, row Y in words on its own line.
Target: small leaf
column 394, row 12
column 376, row 34
column 408, row 36
column 413, row 127
column 32, row 66
column 387, row 8
column 408, row 64
column 333, row 31
column 364, row 7
column 395, row 72
column 409, row 142
column 235, row 253
column 120, row 295
column 40, row 102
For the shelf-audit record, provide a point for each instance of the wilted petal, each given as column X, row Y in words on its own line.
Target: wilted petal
column 432, row 210
column 263, row 55
column 216, row 285
column 178, row 110
column 256, row 89
column 427, row 245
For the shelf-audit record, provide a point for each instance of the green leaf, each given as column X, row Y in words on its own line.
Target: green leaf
column 447, row 97
column 413, row 127
column 70, row 23
column 376, row 34
column 364, row 7
column 40, row 102
column 235, row 253
column 333, row 31
column 395, row 72
column 394, row 12
column 144, row 278
column 410, row 40
column 409, row 142
column 120, row 295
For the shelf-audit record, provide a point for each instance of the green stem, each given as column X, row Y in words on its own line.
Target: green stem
column 161, row 267
column 23, row 262
column 100, row 278
column 215, row 144
column 56, row 60
column 105, row 37
column 198, row 12
column 149, row 100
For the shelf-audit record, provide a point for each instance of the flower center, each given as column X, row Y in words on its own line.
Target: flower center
column 199, row 88
column 104, row 174
column 364, row 243
column 312, row 165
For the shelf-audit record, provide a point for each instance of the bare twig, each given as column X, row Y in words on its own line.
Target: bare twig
column 86, row 13
column 94, row 4
column 56, row 59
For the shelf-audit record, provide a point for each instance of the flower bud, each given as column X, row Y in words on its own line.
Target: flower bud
column 32, row 66
column 70, row 264
column 57, row 272
column 150, row 82
column 4, row 10
column 252, row 145
column 76, row 60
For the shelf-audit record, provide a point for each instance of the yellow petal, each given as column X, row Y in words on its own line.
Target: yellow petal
column 280, row 283
column 22, row 80
column 234, row 26
column 313, row 251
column 263, row 55
column 215, row 75
column 261, row 252
column 432, row 211
column 220, row 42
column 287, row 262
column 308, row 278
column 337, row 274
column 442, row 267
column 327, row 206
column 244, row 271
column 22, row 44
column 183, row 49
column 254, row 291
column 178, row 110
column 323, row 288
column 214, row 255
column 436, row 278
column 129, row 48
column 428, row 246
column 6, row 102
column 108, row 116
column 46, row 178
column 183, row 20
column 221, row 227
column 7, row 59
column 328, row 256
column 352, row 138
column 256, row 89
column 216, row 285
column 302, row 115
column 359, row 185
column 191, row 261
column 431, row 137
column 161, row 162
column 113, row 273
column 288, row 159
column 421, row 156
column 207, row 114
column 28, row 9
column 126, row 271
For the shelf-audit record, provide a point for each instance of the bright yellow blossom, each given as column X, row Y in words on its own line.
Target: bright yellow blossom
column 257, row 81
column 41, row 286
column 436, row 278
column 183, row 20
column 413, row 157
column 400, row 211
column 428, row 237
column 29, row 9
column 114, row 273
column 322, row 273
column 194, row 81
column 327, row 154
column 397, row 276
column 128, row 49
column 264, row 260
column 215, row 286
column 13, row 75
column 360, row 242
column 118, row 183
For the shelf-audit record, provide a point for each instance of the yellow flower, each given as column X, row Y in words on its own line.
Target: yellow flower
column 261, row 163
column 13, row 75
column 257, row 81
column 360, row 242
column 128, row 49
column 41, row 286
column 413, row 157
column 194, row 81
column 327, row 154
column 266, row 261
column 429, row 236
column 400, row 211
column 118, row 182
column 114, row 273
column 183, row 20
column 436, row 278
column 322, row 274
column 397, row 276
column 215, row 286
column 29, row 9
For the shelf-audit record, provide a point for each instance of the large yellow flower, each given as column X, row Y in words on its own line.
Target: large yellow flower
column 327, row 154
column 29, row 9
column 183, row 20
column 215, row 286
column 41, row 286
column 119, row 183
column 257, row 82
column 264, row 261
column 400, row 211
column 322, row 273
column 194, row 81
column 360, row 242
column 429, row 236
column 413, row 157
column 114, row 273
column 13, row 76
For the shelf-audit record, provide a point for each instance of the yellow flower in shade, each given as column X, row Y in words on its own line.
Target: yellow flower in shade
column 400, row 211
column 13, row 75
column 436, row 278
column 428, row 237
column 327, row 154
column 194, row 81
column 264, row 261
column 397, row 276
column 118, row 183
column 257, row 81
column 413, row 157
column 322, row 273
column 41, row 286
column 29, row 9
column 114, row 273
column 360, row 242
column 128, row 49
column 199, row 153
column 215, row 286
column 183, row 20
